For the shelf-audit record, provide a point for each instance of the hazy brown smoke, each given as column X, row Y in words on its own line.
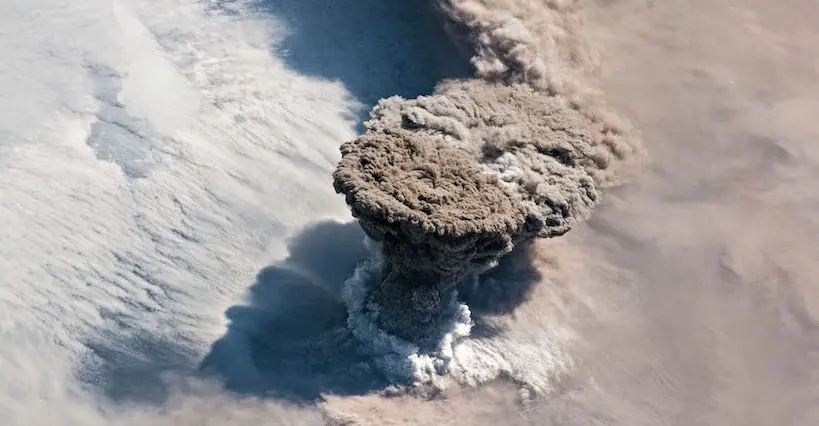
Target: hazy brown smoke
column 451, row 182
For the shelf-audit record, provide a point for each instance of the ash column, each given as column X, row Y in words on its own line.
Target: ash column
column 437, row 213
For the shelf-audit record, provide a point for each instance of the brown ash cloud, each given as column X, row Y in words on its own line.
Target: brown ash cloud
column 449, row 183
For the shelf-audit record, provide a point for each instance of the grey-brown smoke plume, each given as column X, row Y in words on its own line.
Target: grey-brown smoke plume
column 447, row 184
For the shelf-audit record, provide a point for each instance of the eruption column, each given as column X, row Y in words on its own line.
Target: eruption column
column 451, row 182
column 436, row 213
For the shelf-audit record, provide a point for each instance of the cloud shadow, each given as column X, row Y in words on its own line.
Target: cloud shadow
column 500, row 290
column 375, row 48
column 290, row 339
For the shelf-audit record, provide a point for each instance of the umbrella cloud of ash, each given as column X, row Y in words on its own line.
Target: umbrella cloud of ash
column 449, row 183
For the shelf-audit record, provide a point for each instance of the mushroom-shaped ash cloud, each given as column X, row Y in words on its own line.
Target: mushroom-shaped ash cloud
column 436, row 212
column 448, row 183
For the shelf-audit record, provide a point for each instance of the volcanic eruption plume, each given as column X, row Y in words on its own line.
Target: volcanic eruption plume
column 447, row 184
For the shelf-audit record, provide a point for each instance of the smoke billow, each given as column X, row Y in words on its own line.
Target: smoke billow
column 449, row 183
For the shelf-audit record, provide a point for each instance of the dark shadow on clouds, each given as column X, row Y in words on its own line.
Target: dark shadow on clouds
column 290, row 340
column 375, row 48
column 500, row 290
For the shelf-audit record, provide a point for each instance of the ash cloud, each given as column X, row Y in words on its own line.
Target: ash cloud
column 449, row 183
